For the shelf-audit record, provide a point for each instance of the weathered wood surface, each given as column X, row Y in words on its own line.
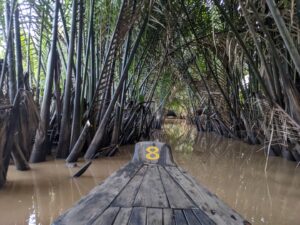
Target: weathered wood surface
column 150, row 190
column 165, row 154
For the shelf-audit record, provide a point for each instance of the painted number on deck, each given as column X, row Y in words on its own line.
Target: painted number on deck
column 152, row 153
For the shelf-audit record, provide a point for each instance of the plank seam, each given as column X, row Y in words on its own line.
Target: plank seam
column 92, row 220
column 184, row 192
column 164, row 187
column 138, row 189
column 116, row 216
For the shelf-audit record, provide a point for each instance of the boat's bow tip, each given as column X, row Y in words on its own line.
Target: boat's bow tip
column 153, row 152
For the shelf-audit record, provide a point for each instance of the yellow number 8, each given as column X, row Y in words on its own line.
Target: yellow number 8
column 152, row 153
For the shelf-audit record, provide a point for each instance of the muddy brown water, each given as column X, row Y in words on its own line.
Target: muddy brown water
column 231, row 169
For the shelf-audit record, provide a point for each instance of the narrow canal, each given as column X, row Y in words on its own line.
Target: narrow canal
column 231, row 169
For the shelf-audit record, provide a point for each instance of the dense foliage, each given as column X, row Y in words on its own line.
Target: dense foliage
column 232, row 67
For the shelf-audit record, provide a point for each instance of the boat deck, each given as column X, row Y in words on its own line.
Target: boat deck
column 151, row 189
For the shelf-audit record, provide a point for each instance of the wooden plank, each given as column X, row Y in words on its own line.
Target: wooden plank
column 191, row 218
column 107, row 217
column 176, row 196
column 168, row 217
column 218, row 211
column 123, row 216
column 127, row 196
column 151, row 192
column 205, row 220
column 154, row 216
column 138, row 216
column 179, row 217
column 91, row 206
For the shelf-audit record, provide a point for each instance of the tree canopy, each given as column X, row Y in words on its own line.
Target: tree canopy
column 230, row 66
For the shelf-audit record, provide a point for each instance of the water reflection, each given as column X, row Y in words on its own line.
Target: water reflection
column 231, row 169
column 38, row 196
column 235, row 172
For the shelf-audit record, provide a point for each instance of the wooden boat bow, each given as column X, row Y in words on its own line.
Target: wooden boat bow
column 151, row 189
